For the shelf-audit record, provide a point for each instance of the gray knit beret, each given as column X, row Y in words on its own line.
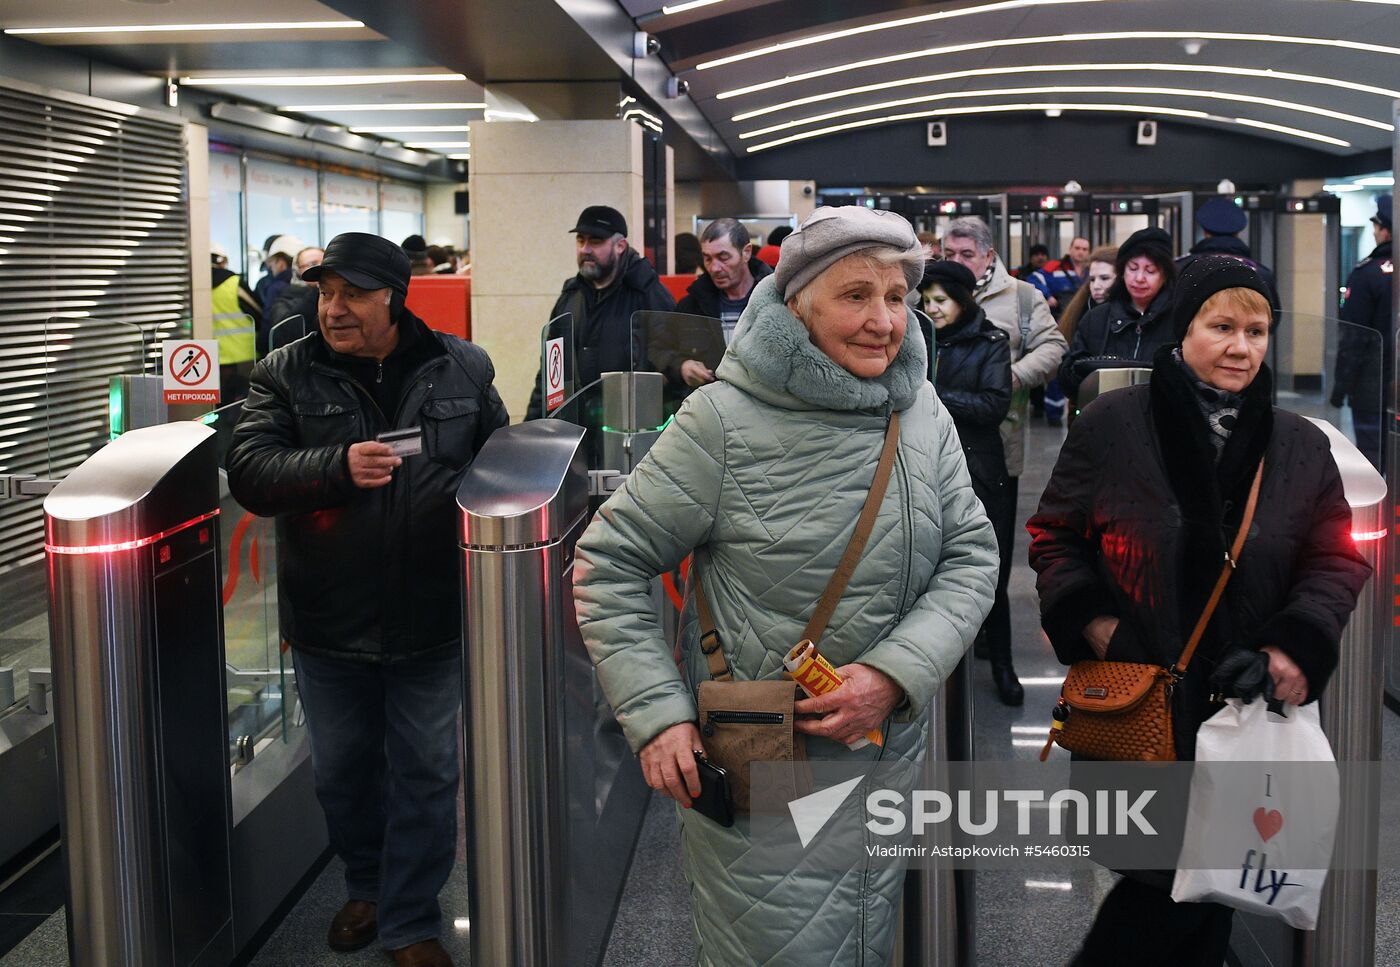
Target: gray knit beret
column 830, row 234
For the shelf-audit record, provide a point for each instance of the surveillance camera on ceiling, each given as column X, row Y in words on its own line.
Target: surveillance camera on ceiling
column 644, row 44
column 675, row 87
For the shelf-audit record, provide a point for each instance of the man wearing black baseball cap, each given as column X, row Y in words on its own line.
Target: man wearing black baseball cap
column 355, row 438
column 1362, row 373
column 613, row 282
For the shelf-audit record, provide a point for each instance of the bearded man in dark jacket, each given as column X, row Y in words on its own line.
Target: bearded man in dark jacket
column 613, row 282
column 367, row 575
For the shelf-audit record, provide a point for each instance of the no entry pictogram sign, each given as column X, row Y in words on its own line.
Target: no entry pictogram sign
column 553, row 373
column 191, row 370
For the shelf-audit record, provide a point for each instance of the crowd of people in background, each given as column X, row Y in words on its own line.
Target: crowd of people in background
column 284, row 301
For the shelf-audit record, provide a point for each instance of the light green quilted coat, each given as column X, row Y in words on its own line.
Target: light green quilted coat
column 764, row 472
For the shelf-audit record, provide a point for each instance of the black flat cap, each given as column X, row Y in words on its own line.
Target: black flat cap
column 600, row 221
column 366, row 261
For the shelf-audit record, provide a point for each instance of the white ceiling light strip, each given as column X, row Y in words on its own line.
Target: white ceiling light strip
column 177, row 28
column 1058, row 39
column 781, row 46
column 1046, row 106
column 434, row 145
column 411, row 129
column 315, row 80
column 666, row 11
column 387, row 106
column 1072, row 68
column 1076, row 89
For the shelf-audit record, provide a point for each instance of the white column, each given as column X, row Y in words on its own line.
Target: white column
column 528, row 184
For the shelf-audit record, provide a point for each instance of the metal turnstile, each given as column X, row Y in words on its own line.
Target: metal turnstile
column 555, row 797
column 139, row 705
column 940, row 903
column 1102, row 381
column 1351, row 716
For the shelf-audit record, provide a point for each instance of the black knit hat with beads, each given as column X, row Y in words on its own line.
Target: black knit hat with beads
column 1203, row 277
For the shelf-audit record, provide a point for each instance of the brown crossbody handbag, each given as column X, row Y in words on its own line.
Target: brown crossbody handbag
column 746, row 722
column 1121, row 711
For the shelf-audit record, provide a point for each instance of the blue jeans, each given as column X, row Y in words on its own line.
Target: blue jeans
column 384, row 753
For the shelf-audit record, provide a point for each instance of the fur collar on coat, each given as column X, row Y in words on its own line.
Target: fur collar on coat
column 773, row 358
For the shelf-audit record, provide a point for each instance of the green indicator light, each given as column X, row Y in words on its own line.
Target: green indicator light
column 115, row 408
column 210, row 418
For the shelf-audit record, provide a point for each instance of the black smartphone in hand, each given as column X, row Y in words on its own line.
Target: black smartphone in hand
column 714, row 801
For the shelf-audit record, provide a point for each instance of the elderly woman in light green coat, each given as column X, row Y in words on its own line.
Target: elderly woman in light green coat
column 763, row 474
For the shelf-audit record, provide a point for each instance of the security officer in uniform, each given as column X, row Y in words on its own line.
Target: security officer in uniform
column 1363, row 372
column 1222, row 221
column 236, row 318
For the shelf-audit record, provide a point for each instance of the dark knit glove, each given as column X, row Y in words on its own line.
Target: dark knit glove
column 1244, row 673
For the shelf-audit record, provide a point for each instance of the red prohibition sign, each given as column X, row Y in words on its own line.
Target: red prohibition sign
column 556, row 365
column 193, row 363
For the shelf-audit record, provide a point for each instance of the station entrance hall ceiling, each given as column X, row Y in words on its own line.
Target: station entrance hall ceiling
column 769, row 73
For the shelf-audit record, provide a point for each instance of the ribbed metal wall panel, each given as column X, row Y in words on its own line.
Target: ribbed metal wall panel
column 94, row 273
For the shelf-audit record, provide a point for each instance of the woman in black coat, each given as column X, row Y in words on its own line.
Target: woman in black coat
column 972, row 376
column 1130, row 535
column 1127, row 329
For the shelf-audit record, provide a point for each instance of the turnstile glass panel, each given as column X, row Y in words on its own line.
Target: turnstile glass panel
column 259, row 681
column 1305, row 353
column 669, row 340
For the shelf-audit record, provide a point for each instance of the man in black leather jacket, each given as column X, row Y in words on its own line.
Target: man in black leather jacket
column 367, row 575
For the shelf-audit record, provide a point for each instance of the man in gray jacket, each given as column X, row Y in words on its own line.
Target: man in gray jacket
column 1018, row 309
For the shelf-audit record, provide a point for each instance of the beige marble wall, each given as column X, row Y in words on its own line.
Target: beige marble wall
column 528, row 184
column 1302, row 286
column 440, row 218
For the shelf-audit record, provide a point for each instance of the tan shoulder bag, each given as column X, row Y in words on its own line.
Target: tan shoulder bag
column 1121, row 711
column 745, row 722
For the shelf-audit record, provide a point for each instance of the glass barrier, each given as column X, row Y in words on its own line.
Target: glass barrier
column 288, row 331
column 685, row 349
column 259, row 680
column 55, row 412
column 1331, row 370
column 559, row 378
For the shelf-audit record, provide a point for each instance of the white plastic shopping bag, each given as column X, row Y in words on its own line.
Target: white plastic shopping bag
column 1264, row 798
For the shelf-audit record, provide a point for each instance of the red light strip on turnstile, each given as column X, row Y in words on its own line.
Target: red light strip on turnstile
column 1360, row 536
column 127, row 545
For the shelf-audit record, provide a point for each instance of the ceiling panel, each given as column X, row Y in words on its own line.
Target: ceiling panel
column 1028, row 36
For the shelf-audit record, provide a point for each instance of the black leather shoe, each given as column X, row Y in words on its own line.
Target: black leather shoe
column 1009, row 688
column 425, row 953
column 355, row 926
